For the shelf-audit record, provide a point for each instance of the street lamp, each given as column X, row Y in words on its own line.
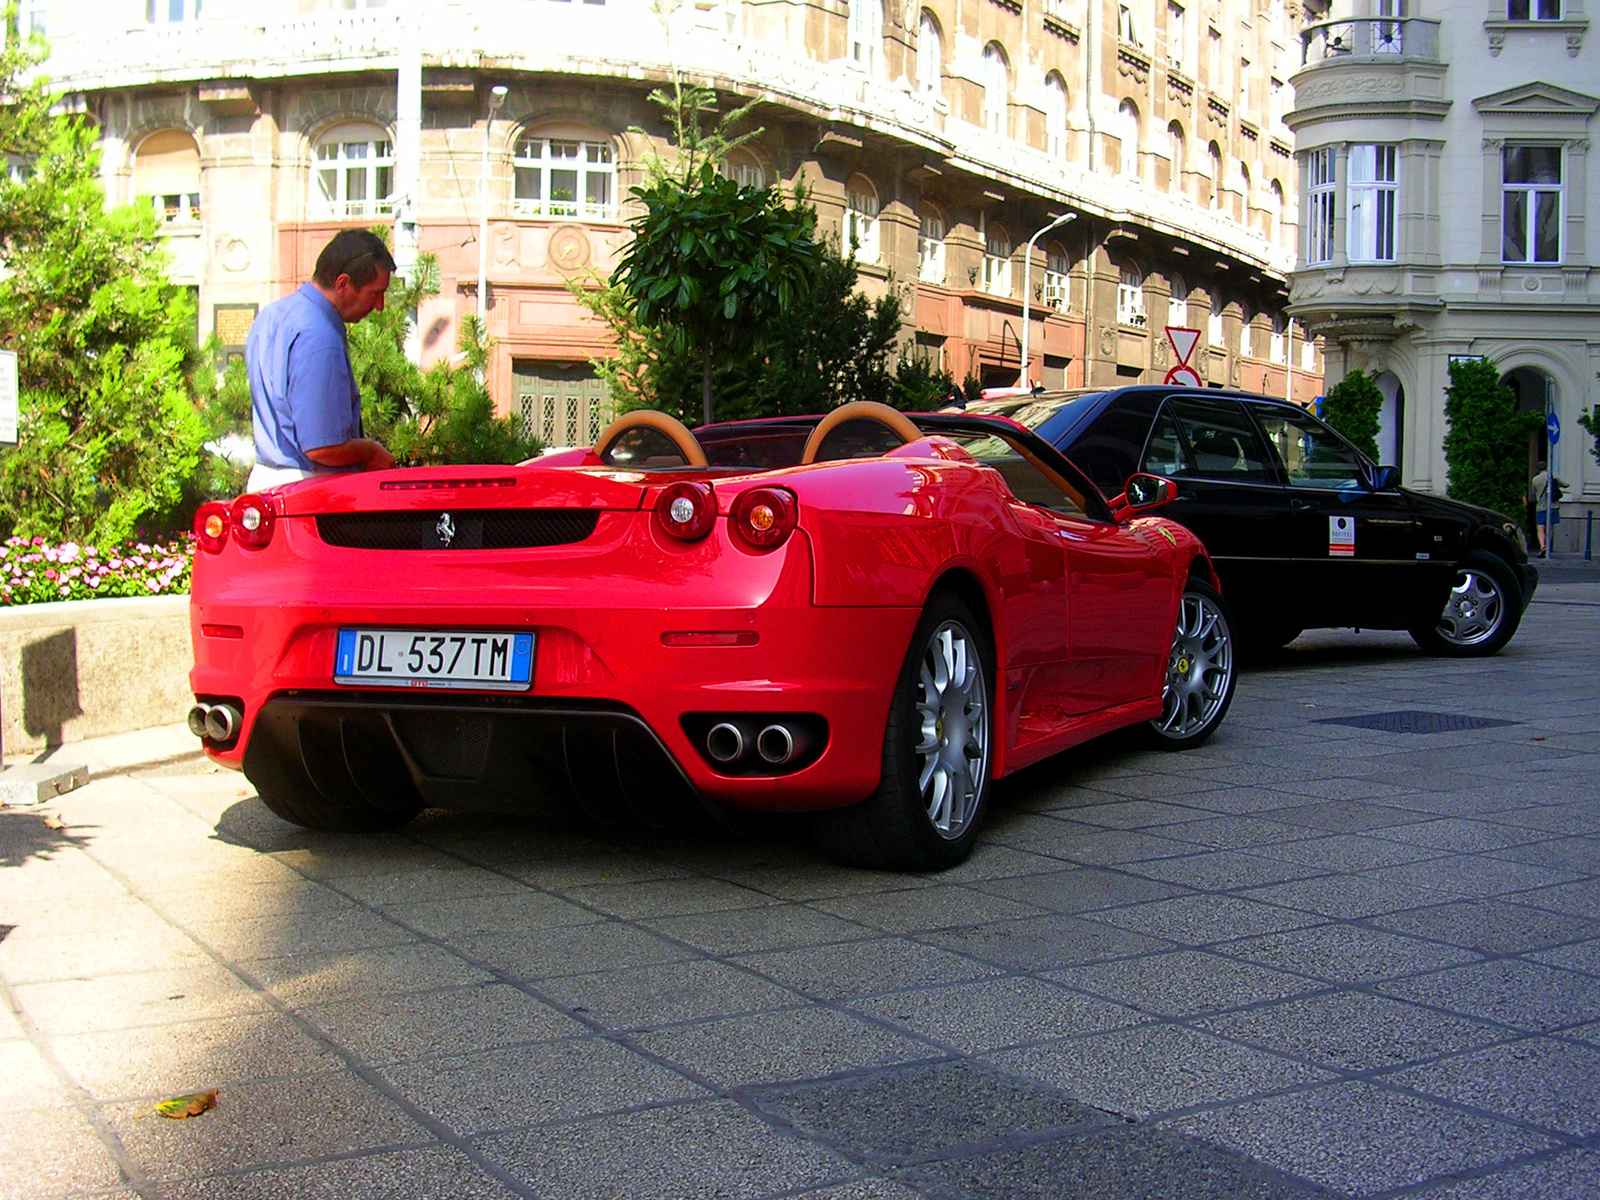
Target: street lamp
column 1027, row 285
column 497, row 96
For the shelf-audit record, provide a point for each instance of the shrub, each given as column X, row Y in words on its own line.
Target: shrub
column 1486, row 445
column 33, row 571
column 1352, row 408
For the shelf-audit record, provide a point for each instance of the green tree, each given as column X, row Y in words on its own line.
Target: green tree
column 1486, row 445
column 109, row 437
column 714, row 264
column 1589, row 418
column 1352, row 408
column 833, row 346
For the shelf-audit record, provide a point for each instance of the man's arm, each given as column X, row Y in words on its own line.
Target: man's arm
column 362, row 452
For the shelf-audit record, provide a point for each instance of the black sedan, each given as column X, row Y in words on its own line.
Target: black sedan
column 1305, row 531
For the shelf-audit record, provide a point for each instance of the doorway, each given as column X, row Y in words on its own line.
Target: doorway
column 1391, row 419
column 561, row 404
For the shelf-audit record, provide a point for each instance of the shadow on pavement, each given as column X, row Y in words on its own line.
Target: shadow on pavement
column 27, row 835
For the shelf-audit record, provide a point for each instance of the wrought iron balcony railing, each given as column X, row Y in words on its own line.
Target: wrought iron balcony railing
column 1370, row 38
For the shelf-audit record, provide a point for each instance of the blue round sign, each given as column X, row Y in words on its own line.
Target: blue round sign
column 1552, row 426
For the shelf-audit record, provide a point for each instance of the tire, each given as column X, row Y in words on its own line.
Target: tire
column 318, row 814
column 1483, row 610
column 1202, row 670
column 937, row 747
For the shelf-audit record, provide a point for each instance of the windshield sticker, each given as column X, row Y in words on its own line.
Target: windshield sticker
column 1342, row 537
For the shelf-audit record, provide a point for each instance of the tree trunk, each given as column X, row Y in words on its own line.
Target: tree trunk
column 705, row 382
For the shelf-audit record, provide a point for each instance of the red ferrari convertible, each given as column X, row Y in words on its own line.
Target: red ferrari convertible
column 867, row 617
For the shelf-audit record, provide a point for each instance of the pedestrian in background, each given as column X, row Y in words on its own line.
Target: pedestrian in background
column 304, row 403
column 1541, row 499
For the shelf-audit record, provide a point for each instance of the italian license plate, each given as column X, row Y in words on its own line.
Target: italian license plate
column 435, row 658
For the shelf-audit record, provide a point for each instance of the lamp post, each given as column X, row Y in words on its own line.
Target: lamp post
column 1027, row 286
column 497, row 96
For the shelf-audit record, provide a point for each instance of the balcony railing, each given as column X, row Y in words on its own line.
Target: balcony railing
column 1371, row 38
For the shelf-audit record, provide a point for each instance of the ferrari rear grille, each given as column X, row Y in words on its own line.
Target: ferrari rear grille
column 458, row 529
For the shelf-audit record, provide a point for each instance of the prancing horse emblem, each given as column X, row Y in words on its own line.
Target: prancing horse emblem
column 446, row 529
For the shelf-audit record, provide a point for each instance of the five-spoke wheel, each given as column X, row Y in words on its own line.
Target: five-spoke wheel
column 1200, row 670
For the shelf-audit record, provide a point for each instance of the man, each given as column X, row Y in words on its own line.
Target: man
column 1539, row 500
column 303, row 397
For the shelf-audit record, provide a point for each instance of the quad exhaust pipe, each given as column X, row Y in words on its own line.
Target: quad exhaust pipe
column 215, row 722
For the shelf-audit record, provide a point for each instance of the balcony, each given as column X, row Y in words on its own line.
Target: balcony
column 1370, row 40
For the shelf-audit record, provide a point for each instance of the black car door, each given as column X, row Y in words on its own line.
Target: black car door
column 1230, row 494
column 1356, row 550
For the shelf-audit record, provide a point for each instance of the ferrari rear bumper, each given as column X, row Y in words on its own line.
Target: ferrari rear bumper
column 384, row 751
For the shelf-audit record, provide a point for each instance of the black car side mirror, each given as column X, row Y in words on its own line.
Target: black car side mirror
column 1143, row 492
column 1385, row 479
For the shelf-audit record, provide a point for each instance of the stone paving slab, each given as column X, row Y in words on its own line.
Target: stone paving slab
column 1304, row 960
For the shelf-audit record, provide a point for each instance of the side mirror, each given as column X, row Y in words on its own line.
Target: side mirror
column 1385, row 479
column 1143, row 492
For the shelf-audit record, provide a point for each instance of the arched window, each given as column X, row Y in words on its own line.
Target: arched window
column 166, row 176
column 996, row 88
column 866, row 33
column 355, row 172
column 930, row 244
column 997, row 260
column 1244, row 189
column 1275, row 190
column 1130, row 296
column 170, row 12
column 1128, row 135
column 930, row 55
column 1055, row 115
column 1178, row 304
column 861, row 219
column 1177, row 149
column 744, row 168
column 1214, row 169
column 563, row 173
column 1214, row 329
column 1057, row 277
column 1247, row 317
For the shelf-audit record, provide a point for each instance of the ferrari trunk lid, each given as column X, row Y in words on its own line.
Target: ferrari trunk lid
column 470, row 487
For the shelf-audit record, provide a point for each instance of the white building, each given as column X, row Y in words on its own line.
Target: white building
column 1445, row 170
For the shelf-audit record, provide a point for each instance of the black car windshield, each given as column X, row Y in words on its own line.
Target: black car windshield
column 1048, row 416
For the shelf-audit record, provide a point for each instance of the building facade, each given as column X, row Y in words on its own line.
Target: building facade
column 1445, row 168
column 935, row 138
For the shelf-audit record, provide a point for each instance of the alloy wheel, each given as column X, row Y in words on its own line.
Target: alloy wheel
column 1199, row 669
column 1474, row 611
column 952, row 729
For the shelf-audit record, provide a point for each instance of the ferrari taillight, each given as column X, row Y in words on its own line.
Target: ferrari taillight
column 250, row 520
column 211, row 526
column 686, row 510
column 765, row 517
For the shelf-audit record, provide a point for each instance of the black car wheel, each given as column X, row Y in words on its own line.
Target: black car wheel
column 936, row 754
column 1482, row 612
column 1200, row 671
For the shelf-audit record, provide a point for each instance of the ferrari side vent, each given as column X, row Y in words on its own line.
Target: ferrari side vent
column 458, row 529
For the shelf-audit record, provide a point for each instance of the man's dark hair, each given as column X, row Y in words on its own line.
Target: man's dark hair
column 358, row 253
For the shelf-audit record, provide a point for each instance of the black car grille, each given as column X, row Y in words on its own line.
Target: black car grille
column 465, row 529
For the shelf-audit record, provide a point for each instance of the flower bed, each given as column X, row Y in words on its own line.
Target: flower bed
column 32, row 571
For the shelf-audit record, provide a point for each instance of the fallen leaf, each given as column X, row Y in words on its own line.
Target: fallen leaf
column 243, row 792
column 54, row 823
column 179, row 1107
column 212, row 770
column 1537, row 739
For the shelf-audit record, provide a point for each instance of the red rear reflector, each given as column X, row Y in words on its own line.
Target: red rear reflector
column 743, row 637
column 223, row 631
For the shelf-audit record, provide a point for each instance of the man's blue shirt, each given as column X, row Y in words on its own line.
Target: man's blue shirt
column 302, row 391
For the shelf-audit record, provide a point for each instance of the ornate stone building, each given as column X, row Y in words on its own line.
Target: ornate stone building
column 936, row 137
column 1444, row 180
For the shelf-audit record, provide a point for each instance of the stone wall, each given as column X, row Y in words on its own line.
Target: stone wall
column 84, row 668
